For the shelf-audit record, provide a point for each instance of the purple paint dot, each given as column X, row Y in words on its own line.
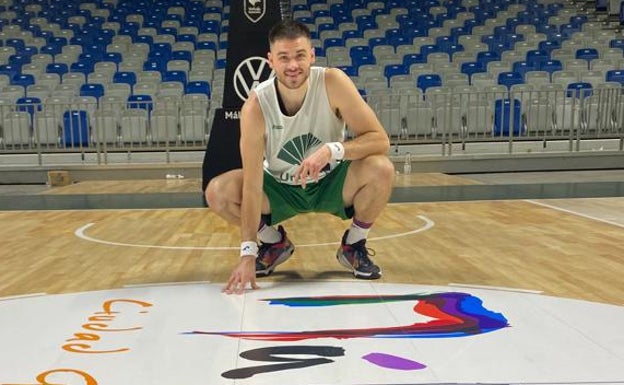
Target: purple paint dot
column 393, row 362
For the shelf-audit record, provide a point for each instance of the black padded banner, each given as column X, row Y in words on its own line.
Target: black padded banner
column 250, row 22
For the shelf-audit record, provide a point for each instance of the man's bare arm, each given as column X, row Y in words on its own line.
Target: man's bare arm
column 370, row 136
column 252, row 150
column 252, row 155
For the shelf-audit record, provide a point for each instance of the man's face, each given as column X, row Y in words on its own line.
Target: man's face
column 291, row 60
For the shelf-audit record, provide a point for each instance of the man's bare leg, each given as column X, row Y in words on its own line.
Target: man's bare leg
column 367, row 188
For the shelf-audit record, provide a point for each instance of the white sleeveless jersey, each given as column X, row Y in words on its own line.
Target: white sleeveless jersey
column 289, row 139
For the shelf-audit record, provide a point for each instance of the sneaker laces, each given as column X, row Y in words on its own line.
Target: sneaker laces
column 264, row 247
column 363, row 252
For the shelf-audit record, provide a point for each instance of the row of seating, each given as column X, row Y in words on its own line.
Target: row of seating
column 536, row 112
column 84, row 122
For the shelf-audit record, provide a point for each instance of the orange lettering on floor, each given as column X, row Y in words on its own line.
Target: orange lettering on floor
column 100, row 322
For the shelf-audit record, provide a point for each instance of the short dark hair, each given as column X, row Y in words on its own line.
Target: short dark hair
column 288, row 29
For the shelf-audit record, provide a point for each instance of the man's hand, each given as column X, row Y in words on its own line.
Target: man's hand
column 312, row 165
column 243, row 274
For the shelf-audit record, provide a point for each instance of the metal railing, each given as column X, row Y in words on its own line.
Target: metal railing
column 440, row 118
column 500, row 115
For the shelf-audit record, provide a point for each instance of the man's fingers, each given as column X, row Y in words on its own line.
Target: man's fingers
column 238, row 285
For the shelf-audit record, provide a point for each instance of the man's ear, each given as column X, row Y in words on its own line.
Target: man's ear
column 270, row 59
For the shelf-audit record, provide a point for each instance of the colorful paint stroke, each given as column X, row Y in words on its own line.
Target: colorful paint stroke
column 454, row 315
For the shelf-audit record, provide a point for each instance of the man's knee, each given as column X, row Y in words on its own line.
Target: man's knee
column 211, row 194
column 381, row 168
column 217, row 194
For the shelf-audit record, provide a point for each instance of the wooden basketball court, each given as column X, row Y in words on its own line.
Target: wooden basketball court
column 570, row 248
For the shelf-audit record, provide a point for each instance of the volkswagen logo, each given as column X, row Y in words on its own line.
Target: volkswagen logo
column 249, row 73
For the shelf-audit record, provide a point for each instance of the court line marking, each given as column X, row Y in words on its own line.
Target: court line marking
column 21, row 296
column 181, row 283
column 498, row 288
column 80, row 233
column 575, row 213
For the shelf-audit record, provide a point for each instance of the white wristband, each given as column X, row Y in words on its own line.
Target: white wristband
column 337, row 150
column 248, row 248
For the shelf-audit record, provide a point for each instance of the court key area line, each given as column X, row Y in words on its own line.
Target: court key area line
column 579, row 214
column 81, row 233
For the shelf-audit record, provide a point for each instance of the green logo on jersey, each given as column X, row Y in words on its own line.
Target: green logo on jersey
column 295, row 150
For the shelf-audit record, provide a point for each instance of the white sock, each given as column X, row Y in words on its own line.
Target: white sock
column 357, row 233
column 269, row 234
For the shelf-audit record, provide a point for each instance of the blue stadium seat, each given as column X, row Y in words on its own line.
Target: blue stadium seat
column 157, row 64
column 397, row 41
column 425, row 81
column 82, row 67
column 75, row 128
column 29, row 51
column 18, row 60
column 470, row 68
column 588, row 54
column 51, row 49
column 444, row 43
column 161, row 47
column 147, row 39
column 325, row 27
column 333, row 42
column 485, row 57
column 210, row 26
column 9, row 70
column 125, row 77
column 503, row 123
column 569, row 29
column 96, row 51
column 578, row 20
column 615, row 76
column 616, row 43
column 57, row 68
column 359, row 50
column 182, row 55
column 551, row 66
column 349, row 70
column 393, row 32
column 174, row 76
column 426, row 49
column 198, row 87
column 362, row 60
column 114, row 57
column 92, row 89
column 579, row 90
column 187, row 37
column 30, row 105
column 202, row 45
column 413, row 58
column 522, row 67
column 159, row 55
column 220, row 63
column 350, row 33
column 549, row 45
column 140, row 101
column 23, row 80
column 395, row 69
column 18, row 44
column 375, row 41
column 509, row 78
column 535, row 57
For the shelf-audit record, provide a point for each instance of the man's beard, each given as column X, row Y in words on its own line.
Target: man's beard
column 287, row 81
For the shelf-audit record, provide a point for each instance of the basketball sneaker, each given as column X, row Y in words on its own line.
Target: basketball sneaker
column 272, row 254
column 355, row 258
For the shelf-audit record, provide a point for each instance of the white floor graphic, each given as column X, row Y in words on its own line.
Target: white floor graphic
column 309, row 333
